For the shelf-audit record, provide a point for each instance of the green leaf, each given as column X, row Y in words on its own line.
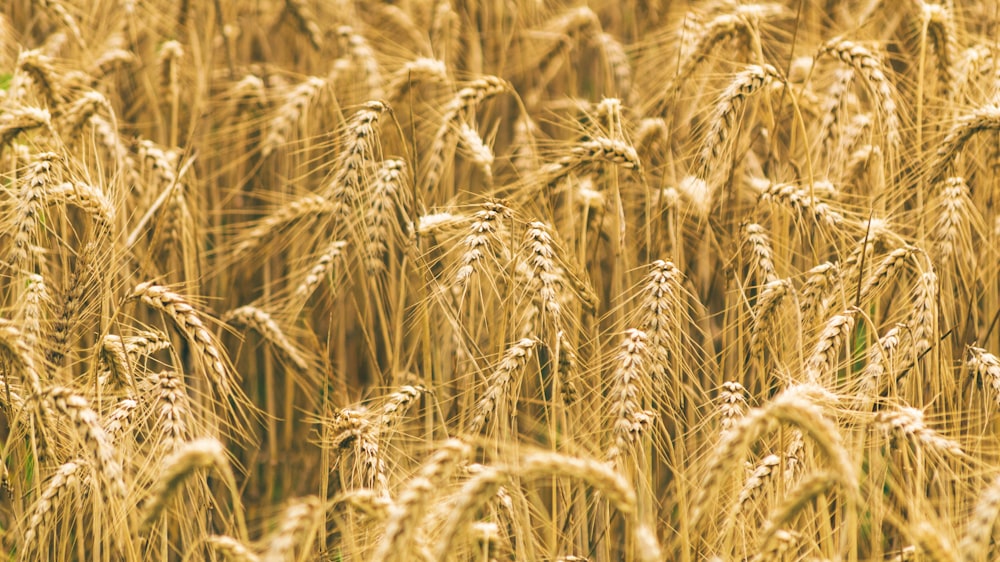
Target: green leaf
column 5, row 80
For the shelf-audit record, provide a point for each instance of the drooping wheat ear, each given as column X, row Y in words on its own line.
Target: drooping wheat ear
column 934, row 544
column 923, row 317
column 881, row 358
column 361, row 143
column 79, row 112
column 108, row 139
column 92, row 201
column 589, row 152
column 34, row 312
column 572, row 26
column 265, row 325
column 758, row 243
column 976, row 541
column 755, row 483
column 61, row 14
column 650, row 133
column 627, row 394
column 65, row 481
column 70, row 305
column 953, row 209
column 120, row 355
column 972, row 63
column 170, row 55
column 794, row 502
column 120, row 420
column 300, row 523
column 486, row 535
column 833, row 111
column 463, row 104
column 30, row 201
column 351, row 427
column 445, row 34
column 795, row 406
column 418, row 71
column 21, row 356
column 160, row 162
column 485, row 225
column 177, row 222
column 474, row 148
column 545, row 277
column 524, row 147
column 879, row 277
column 603, row 478
column 43, row 74
column 869, row 66
column 728, row 111
column 768, row 303
column 405, row 515
column 861, row 160
column 475, row 492
column 903, row 554
column 793, row 455
column 293, row 110
column 799, row 201
column 877, row 234
column 940, row 25
column 781, row 543
column 816, row 286
column 302, row 210
column 88, row 425
column 909, row 422
column 567, row 368
column 398, row 23
column 692, row 26
column 432, row 223
column 661, row 315
column 319, row 271
column 732, row 405
column 249, row 91
column 499, row 382
column 367, row 501
column 985, row 118
column 397, row 405
column 387, row 191
column 608, row 117
column 986, row 366
column 824, row 355
column 589, row 197
column 190, row 457
column 305, row 19
column 222, row 377
column 17, row 120
column 168, row 400
column 717, row 31
column 363, row 58
column 617, row 61
column 109, row 61
column 231, row 548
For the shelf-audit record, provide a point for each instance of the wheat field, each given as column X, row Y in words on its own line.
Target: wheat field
column 488, row 280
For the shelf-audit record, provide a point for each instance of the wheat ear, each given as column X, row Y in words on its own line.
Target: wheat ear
column 406, row 513
column 187, row 320
column 868, row 65
column 301, row 521
column 498, row 383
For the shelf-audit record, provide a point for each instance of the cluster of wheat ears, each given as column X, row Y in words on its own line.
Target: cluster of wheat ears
column 291, row 280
